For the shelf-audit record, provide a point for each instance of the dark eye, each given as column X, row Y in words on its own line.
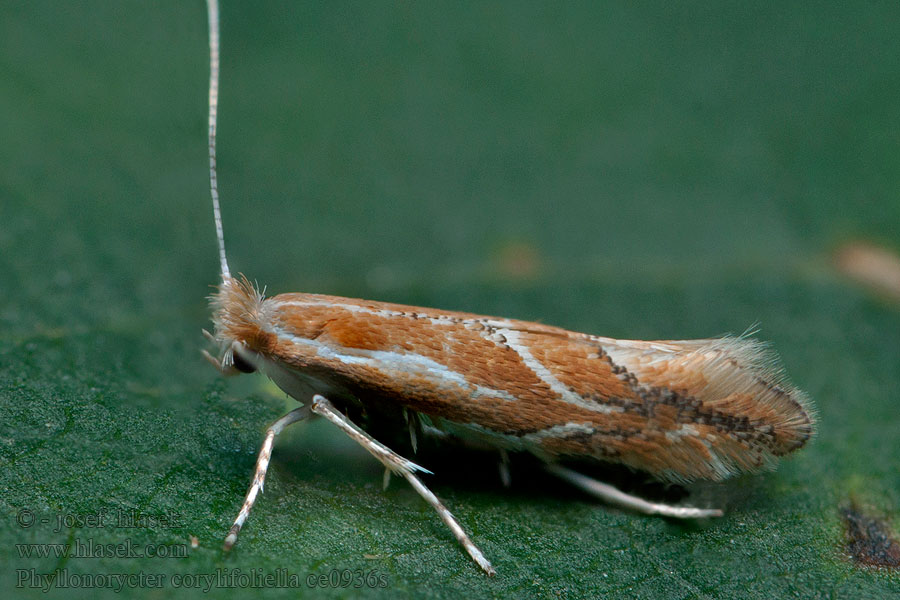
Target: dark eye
column 242, row 365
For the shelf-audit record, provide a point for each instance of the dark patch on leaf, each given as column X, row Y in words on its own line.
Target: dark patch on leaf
column 870, row 541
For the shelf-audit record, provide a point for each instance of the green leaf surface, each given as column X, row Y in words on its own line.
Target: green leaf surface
column 649, row 170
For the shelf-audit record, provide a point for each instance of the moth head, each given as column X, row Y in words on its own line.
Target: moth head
column 237, row 307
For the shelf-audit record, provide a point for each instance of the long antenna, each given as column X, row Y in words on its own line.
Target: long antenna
column 212, row 7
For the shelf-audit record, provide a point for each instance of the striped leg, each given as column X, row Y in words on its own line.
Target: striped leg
column 612, row 495
column 262, row 464
column 396, row 463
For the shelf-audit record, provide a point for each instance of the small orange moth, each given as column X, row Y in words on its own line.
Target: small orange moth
column 678, row 410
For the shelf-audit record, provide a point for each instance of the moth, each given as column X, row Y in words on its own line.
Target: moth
column 679, row 410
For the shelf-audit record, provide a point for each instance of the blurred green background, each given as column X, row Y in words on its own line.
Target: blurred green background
column 636, row 170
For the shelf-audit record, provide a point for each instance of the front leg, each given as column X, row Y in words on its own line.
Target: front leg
column 396, row 463
column 262, row 465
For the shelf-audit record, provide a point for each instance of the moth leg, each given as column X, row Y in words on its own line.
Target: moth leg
column 396, row 463
column 612, row 495
column 411, row 425
column 262, row 465
column 503, row 465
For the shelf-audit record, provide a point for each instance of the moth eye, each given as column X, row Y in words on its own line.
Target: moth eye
column 242, row 365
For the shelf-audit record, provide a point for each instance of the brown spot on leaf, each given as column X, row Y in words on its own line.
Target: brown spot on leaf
column 870, row 541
